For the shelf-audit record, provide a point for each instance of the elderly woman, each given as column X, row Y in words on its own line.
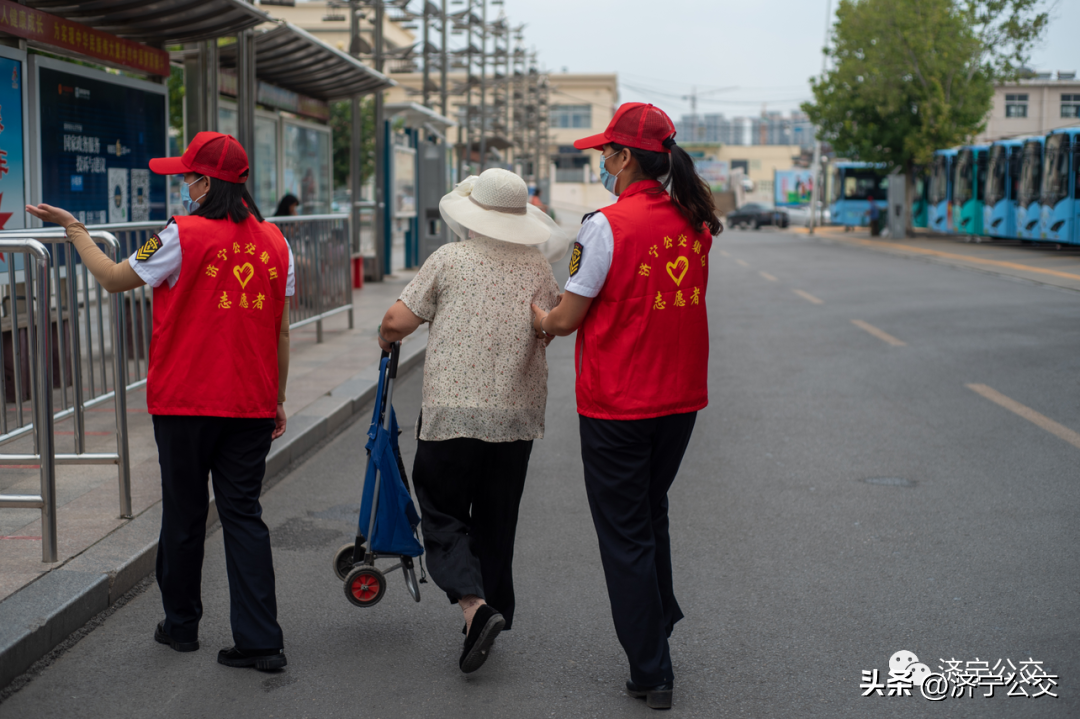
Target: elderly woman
column 485, row 392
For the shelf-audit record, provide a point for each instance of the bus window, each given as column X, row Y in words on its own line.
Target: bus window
column 963, row 177
column 1056, row 170
column 1031, row 174
column 995, row 185
column 980, row 180
column 850, row 188
column 939, row 180
column 1016, row 155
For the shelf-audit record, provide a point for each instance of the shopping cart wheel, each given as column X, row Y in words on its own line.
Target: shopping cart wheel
column 343, row 561
column 365, row 586
column 410, row 582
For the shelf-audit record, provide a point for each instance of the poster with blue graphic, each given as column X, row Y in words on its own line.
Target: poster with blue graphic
column 97, row 134
column 793, row 187
column 12, row 170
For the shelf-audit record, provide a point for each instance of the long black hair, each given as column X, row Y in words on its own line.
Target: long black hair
column 688, row 190
column 227, row 199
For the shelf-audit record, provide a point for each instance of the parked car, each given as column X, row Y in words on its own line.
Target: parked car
column 799, row 216
column 755, row 215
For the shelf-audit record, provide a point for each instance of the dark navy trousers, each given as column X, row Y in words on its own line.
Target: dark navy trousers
column 629, row 467
column 233, row 452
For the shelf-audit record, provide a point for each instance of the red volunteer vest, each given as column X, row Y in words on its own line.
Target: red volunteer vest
column 643, row 349
column 214, row 348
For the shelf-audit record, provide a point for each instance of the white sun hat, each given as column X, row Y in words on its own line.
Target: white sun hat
column 496, row 205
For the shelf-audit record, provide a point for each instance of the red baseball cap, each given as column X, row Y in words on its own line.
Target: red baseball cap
column 636, row 124
column 210, row 153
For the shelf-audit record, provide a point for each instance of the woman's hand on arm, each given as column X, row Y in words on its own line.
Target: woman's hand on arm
column 569, row 313
column 112, row 276
column 398, row 323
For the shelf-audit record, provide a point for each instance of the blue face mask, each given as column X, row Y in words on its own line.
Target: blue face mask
column 606, row 177
column 190, row 205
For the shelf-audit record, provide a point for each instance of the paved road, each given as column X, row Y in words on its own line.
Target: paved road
column 794, row 571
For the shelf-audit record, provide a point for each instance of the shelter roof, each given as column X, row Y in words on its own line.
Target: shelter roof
column 416, row 115
column 158, row 22
column 292, row 58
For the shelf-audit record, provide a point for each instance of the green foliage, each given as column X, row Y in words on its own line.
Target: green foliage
column 341, row 125
column 912, row 76
column 176, row 101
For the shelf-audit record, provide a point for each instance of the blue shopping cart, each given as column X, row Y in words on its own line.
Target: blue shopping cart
column 387, row 511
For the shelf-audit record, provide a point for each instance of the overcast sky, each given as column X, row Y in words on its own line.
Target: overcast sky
column 765, row 48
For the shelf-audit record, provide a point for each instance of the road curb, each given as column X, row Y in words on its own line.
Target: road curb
column 42, row 614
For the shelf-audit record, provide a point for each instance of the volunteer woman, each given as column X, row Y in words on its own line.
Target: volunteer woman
column 215, row 386
column 636, row 297
column 485, row 392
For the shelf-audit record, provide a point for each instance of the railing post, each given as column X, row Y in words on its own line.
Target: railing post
column 319, row 304
column 119, row 333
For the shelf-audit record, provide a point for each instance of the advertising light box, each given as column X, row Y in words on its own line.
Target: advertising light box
column 97, row 134
column 12, row 162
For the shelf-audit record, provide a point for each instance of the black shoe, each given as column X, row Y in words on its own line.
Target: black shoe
column 486, row 625
column 658, row 697
column 265, row 660
column 162, row 637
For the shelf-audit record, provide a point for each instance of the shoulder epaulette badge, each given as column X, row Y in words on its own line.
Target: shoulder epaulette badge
column 146, row 251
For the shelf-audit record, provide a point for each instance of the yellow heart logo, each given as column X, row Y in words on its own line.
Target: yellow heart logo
column 245, row 272
column 672, row 267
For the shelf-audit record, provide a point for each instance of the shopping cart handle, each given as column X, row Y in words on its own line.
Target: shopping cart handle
column 395, row 350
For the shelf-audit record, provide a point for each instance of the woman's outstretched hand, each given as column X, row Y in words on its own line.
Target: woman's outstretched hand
column 48, row 213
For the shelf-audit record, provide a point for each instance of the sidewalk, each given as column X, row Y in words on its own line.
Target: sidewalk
column 102, row 556
column 1037, row 263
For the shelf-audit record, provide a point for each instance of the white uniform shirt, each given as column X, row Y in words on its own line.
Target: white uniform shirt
column 590, row 259
column 166, row 263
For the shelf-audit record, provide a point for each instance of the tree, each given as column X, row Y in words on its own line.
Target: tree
column 909, row 77
column 341, row 125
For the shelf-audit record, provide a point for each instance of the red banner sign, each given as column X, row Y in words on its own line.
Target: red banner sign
column 23, row 22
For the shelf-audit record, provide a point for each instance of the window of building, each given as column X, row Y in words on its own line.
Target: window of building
column 1070, row 105
column 573, row 116
column 1016, row 105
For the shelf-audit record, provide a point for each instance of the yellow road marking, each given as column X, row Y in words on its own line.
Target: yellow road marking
column 809, row 297
column 742, row 263
column 966, row 258
column 880, row 334
column 1044, row 422
column 769, row 277
column 724, row 253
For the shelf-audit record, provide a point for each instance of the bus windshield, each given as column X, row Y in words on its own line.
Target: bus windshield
column 995, row 178
column 864, row 185
column 1056, row 170
column 939, row 180
column 1031, row 174
column 963, row 176
column 1016, row 154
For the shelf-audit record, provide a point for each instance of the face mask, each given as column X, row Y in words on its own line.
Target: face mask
column 606, row 177
column 190, row 205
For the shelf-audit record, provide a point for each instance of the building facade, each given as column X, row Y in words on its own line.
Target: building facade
column 771, row 128
column 1033, row 106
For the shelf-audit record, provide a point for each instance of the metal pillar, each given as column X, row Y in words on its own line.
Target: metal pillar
column 483, row 86
column 246, row 89
column 443, row 87
column 201, row 89
column 356, row 138
column 382, row 238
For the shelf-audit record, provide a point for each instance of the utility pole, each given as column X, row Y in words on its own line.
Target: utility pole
column 443, row 87
column 426, row 79
column 816, row 164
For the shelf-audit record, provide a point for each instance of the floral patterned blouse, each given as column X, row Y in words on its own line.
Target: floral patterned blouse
column 485, row 372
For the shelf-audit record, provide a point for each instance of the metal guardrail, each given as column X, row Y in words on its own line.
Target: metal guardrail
column 95, row 329
column 36, row 305
column 90, row 332
column 322, row 263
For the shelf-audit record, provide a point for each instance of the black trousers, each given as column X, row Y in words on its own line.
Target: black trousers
column 233, row 451
column 629, row 467
column 469, row 491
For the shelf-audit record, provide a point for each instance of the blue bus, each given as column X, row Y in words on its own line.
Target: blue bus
column 854, row 185
column 969, row 181
column 939, row 196
column 920, row 206
column 1027, row 197
column 1002, row 186
column 1060, row 198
